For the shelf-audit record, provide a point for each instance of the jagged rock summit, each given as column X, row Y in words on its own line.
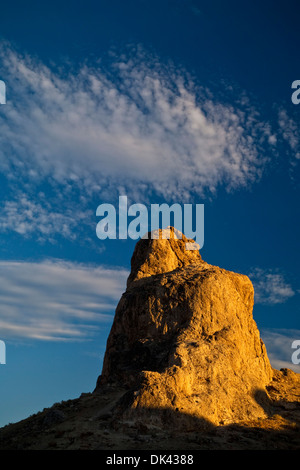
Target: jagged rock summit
column 184, row 342
column 162, row 251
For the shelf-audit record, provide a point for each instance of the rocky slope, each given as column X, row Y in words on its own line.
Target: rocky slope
column 184, row 368
column 91, row 422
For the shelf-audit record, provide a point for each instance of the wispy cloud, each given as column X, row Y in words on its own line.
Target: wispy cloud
column 290, row 131
column 27, row 217
column 279, row 347
column 56, row 300
column 270, row 287
column 135, row 120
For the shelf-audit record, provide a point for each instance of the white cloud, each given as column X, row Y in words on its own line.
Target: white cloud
column 28, row 217
column 270, row 287
column 136, row 121
column 289, row 130
column 279, row 347
column 290, row 133
column 56, row 300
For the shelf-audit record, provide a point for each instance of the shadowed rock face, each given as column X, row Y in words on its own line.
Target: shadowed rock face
column 184, row 338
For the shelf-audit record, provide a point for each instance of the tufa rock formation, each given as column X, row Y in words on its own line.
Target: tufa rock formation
column 184, row 368
column 184, row 342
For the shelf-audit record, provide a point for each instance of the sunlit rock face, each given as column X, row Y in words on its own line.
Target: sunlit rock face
column 183, row 341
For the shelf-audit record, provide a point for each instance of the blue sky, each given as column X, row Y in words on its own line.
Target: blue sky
column 163, row 101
